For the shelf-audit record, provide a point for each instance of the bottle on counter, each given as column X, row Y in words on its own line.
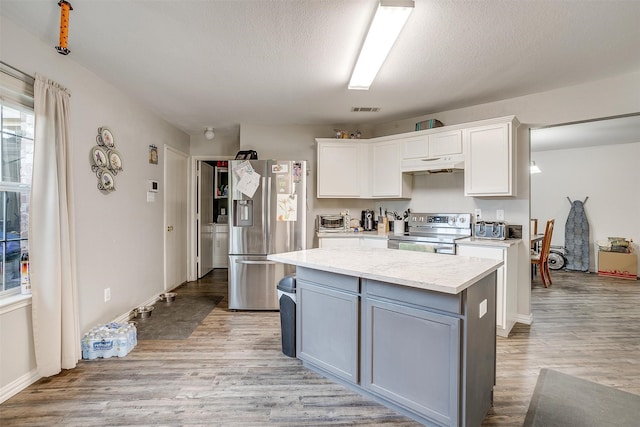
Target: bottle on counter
column 25, row 279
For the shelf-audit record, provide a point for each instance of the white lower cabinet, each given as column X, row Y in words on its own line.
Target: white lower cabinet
column 506, row 281
column 221, row 246
column 352, row 242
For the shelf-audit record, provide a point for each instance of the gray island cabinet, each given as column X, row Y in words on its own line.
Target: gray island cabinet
column 415, row 331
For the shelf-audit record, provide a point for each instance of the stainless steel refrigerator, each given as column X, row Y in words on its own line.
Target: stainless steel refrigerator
column 267, row 215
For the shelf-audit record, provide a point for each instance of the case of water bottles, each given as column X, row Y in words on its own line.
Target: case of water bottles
column 110, row 340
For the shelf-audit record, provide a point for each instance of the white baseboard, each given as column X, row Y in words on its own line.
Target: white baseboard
column 125, row 317
column 527, row 320
column 29, row 378
column 18, row 385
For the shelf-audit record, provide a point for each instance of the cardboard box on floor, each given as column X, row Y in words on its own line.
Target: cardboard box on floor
column 616, row 264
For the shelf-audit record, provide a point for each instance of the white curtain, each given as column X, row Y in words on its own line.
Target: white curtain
column 51, row 234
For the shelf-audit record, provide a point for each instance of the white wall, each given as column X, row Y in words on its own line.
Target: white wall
column 119, row 236
column 609, row 175
column 224, row 145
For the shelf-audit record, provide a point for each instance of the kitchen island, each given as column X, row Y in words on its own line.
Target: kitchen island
column 415, row 331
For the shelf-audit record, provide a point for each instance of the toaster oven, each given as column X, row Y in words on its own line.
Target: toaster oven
column 333, row 223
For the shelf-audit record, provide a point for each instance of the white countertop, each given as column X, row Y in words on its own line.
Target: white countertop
column 436, row 272
column 472, row 241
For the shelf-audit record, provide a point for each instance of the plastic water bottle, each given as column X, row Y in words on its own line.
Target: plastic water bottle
column 25, row 279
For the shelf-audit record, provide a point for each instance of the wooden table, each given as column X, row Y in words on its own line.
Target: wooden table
column 536, row 240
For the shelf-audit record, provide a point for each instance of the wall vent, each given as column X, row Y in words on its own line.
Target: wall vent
column 365, row 109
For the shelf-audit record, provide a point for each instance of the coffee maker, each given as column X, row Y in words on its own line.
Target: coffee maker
column 367, row 220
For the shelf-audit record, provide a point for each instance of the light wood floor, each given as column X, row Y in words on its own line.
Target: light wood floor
column 231, row 370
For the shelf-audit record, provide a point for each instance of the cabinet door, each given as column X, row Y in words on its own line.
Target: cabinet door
column 488, row 167
column 221, row 250
column 492, row 253
column 386, row 176
column 416, row 147
column 338, row 169
column 327, row 325
column 411, row 357
column 339, row 242
column 372, row 242
column 445, row 144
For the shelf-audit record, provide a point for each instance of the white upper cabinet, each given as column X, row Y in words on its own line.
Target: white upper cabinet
column 338, row 169
column 445, row 143
column 432, row 146
column 374, row 168
column 360, row 169
column 415, row 147
column 489, row 159
column 387, row 179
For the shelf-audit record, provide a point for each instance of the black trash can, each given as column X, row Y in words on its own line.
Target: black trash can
column 287, row 298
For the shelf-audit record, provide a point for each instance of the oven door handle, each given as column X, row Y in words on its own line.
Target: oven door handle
column 441, row 248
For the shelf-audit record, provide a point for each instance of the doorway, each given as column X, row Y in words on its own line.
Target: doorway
column 595, row 159
column 209, row 218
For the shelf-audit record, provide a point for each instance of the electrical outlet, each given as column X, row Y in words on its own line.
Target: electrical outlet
column 107, row 294
column 500, row 215
column 482, row 309
column 478, row 214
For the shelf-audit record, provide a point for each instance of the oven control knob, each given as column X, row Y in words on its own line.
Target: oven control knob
column 461, row 220
column 451, row 220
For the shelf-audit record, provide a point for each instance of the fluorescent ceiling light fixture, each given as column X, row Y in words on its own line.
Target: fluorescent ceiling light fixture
column 533, row 168
column 383, row 32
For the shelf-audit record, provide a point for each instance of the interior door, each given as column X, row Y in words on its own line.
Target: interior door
column 204, row 222
column 175, row 218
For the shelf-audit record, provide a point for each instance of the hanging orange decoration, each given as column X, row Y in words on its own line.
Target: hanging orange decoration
column 65, row 7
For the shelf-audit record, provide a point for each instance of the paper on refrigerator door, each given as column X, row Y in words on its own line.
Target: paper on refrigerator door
column 287, row 207
column 249, row 179
column 249, row 183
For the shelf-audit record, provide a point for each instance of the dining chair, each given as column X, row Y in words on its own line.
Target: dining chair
column 541, row 259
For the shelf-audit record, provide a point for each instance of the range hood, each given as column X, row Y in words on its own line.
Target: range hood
column 440, row 164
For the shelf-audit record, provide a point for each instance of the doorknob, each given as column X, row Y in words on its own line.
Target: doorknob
column 170, row 228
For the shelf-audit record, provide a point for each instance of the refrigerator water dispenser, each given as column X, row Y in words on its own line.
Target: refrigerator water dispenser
column 243, row 210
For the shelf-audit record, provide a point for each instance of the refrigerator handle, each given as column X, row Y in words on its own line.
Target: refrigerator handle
column 239, row 261
column 265, row 213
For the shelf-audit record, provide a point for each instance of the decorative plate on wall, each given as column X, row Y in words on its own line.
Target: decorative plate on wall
column 98, row 158
column 106, row 181
column 115, row 161
column 105, row 137
column 105, row 160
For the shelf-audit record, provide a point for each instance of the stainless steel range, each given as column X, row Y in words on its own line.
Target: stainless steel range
column 431, row 232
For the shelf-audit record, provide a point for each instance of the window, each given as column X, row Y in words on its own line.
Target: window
column 16, row 166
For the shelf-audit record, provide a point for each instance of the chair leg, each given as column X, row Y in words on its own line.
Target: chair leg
column 542, row 274
column 548, row 273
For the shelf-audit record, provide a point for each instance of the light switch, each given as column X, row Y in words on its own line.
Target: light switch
column 500, row 215
column 483, row 309
column 478, row 214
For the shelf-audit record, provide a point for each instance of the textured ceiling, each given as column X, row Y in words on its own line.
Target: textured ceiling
column 222, row 63
column 618, row 130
